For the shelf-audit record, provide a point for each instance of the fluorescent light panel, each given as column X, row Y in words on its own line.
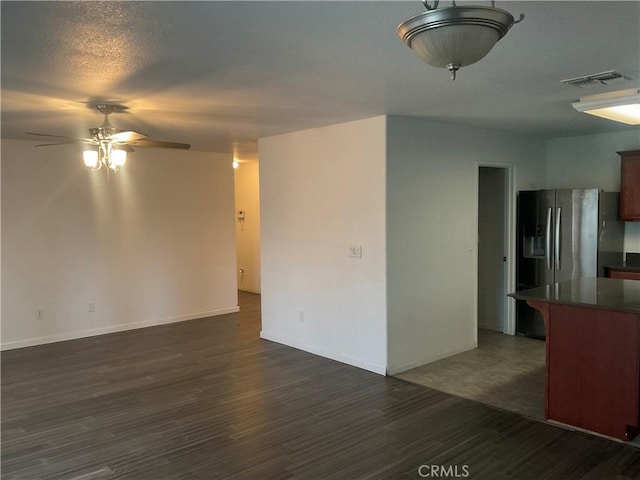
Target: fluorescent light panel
column 629, row 114
column 622, row 106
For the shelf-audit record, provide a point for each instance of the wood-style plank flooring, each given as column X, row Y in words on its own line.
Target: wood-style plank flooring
column 207, row 399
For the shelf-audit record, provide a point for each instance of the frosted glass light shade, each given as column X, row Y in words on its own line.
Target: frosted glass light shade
column 459, row 45
column 118, row 157
column 457, row 36
column 90, row 158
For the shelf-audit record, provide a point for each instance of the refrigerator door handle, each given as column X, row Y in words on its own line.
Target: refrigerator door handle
column 558, row 239
column 547, row 239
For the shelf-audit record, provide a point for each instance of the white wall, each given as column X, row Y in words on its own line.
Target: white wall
column 153, row 244
column 588, row 161
column 432, row 205
column 323, row 190
column 591, row 161
column 247, row 199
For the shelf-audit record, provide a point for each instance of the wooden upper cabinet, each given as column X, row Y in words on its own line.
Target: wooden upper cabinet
column 630, row 186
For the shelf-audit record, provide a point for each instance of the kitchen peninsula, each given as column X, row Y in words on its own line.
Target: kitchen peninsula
column 592, row 353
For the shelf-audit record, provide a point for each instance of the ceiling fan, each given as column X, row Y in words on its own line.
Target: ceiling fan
column 106, row 145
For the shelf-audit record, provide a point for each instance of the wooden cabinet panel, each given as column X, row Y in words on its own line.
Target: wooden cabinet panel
column 593, row 369
column 624, row 274
column 630, row 185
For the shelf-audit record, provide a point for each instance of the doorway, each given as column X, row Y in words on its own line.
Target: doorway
column 494, row 185
column 247, row 217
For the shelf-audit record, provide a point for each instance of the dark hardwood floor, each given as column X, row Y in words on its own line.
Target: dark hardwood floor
column 207, row 399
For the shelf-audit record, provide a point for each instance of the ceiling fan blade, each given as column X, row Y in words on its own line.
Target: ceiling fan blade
column 159, row 144
column 52, row 144
column 86, row 141
column 48, row 135
column 127, row 136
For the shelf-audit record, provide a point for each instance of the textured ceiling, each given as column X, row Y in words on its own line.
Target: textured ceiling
column 220, row 75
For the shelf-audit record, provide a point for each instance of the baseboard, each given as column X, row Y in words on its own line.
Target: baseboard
column 488, row 327
column 355, row 362
column 114, row 328
column 248, row 290
column 430, row 359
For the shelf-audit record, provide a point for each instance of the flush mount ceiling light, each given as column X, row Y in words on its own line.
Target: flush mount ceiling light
column 622, row 106
column 455, row 37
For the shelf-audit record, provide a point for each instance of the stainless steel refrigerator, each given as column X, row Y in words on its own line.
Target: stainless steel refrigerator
column 562, row 235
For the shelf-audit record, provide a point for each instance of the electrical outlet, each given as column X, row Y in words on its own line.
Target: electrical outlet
column 355, row 251
column 92, row 307
column 39, row 314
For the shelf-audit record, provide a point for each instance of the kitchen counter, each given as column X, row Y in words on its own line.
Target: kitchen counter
column 629, row 269
column 602, row 293
column 623, row 267
column 592, row 353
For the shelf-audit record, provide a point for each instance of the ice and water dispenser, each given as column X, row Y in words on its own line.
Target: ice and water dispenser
column 533, row 242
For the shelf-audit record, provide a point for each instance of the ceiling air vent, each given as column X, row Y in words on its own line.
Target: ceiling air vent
column 602, row 78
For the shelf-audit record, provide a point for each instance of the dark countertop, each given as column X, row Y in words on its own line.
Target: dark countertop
column 601, row 293
column 623, row 267
column 631, row 263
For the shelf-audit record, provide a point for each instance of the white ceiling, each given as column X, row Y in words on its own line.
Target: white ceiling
column 220, row 75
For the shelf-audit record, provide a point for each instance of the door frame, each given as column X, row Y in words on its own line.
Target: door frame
column 509, row 326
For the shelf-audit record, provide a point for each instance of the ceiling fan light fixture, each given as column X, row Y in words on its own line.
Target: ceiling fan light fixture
column 107, row 154
column 455, row 37
column 108, row 146
column 622, row 106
